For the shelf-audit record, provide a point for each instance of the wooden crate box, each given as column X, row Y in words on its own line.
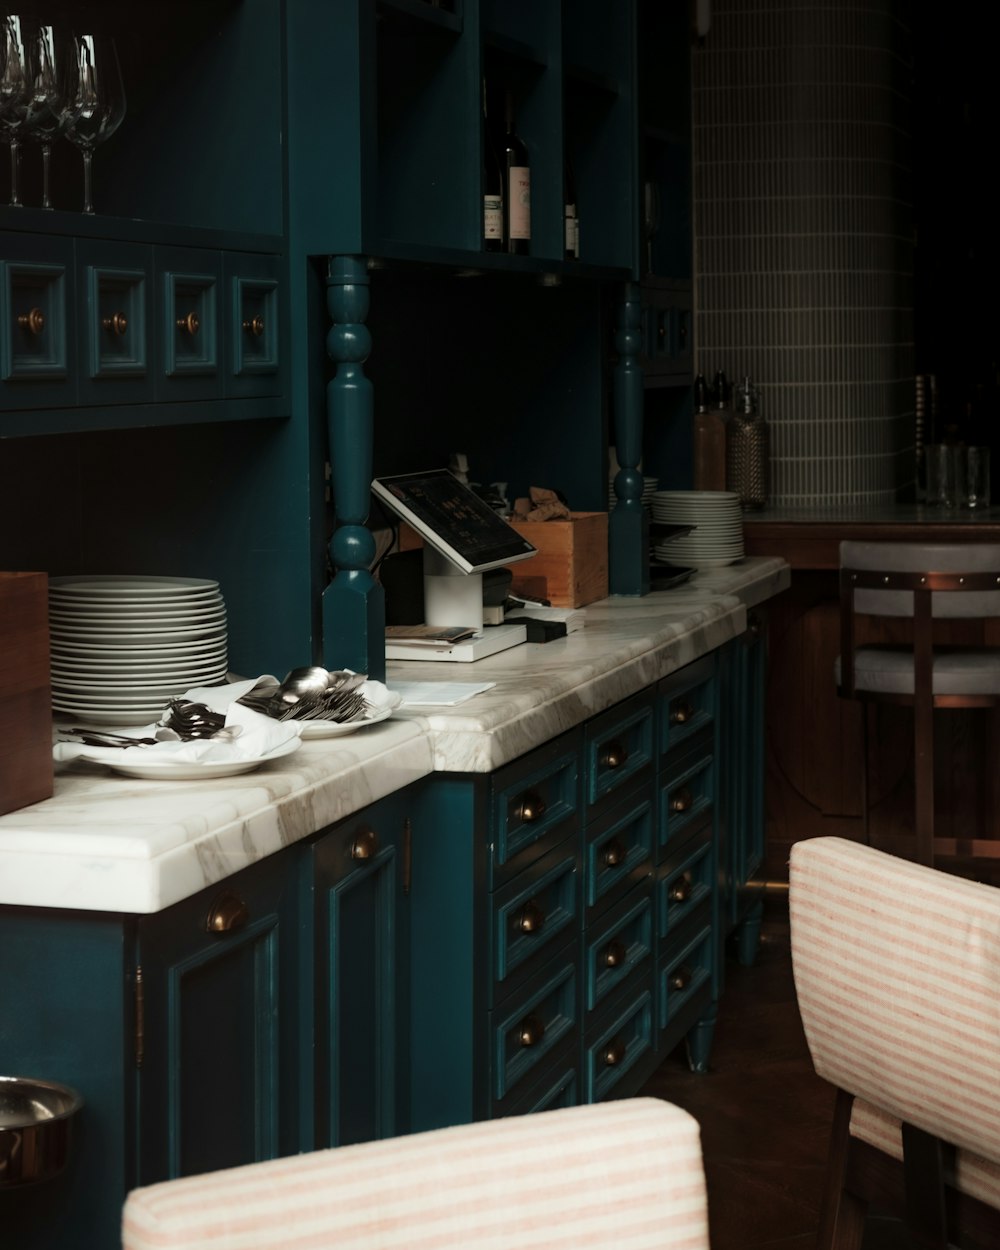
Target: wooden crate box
column 25, row 697
column 571, row 568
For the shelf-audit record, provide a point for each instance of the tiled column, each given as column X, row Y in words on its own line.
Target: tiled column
column 804, row 237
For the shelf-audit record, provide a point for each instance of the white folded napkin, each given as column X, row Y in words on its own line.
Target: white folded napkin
column 259, row 736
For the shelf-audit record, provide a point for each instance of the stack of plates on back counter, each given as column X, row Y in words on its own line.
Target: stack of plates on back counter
column 124, row 646
column 717, row 538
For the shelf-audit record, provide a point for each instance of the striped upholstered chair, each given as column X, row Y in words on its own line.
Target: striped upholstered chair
column 623, row 1174
column 897, row 971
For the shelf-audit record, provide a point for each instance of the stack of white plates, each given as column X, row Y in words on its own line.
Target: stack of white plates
column 717, row 538
column 649, row 485
column 124, row 646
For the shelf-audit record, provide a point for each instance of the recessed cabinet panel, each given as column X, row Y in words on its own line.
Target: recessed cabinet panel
column 619, row 747
column 532, row 912
column 37, row 305
column 528, row 1030
column 684, row 975
column 619, row 852
column 620, row 1045
column 252, row 326
column 116, row 286
column 190, row 335
column 623, row 943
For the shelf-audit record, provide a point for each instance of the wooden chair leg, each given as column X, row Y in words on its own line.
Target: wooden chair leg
column 923, row 764
column 865, row 780
column 923, row 1175
column 842, row 1216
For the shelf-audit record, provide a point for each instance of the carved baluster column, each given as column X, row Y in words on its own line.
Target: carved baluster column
column 628, row 525
column 353, row 603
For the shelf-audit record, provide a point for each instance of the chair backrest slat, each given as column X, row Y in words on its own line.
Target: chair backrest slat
column 974, row 560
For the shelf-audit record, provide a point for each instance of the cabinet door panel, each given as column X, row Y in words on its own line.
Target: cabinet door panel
column 361, row 978
column 37, row 308
column 219, row 975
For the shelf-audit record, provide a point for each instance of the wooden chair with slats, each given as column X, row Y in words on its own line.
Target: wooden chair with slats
column 896, row 971
column 927, row 584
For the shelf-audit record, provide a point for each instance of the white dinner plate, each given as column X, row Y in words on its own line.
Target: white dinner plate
column 127, row 585
column 182, row 651
column 191, row 770
column 135, row 622
column 337, row 729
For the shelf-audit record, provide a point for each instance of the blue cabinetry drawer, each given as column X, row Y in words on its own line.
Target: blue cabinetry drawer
column 115, row 331
column 529, row 1028
column 622, row 1040
column 37, row 348
column 686, row 799
column 618, row 947
column 618, row 851
column 190, row 326
column 535, row 803
column 533, row 912
column 251, row 322
column 684, row 884
column 688, row 703
column 684, row 972
column 559, row 1086
column 619, row 748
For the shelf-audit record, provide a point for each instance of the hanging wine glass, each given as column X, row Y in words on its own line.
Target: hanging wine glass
column 95, row 100
column 46, row 116
column 13, row 96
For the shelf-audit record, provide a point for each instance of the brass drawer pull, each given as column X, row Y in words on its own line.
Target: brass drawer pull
column 190, row 324
column 614, row 754
column 615, row 1053
column 680, row 712
column 531, row 1031
column 613, row 853
column 530, row 918
column 615, row 953
column 680, row 890
column 255, row 326
column 682, row 801
column 117, row 323
column 227, row 914
column 530, row 807
column 680, row 978
column 33, row 321
column 365, row 844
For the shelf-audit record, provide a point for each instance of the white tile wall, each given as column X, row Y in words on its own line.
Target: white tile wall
column 804, row 236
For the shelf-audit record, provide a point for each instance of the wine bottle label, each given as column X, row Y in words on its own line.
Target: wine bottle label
column 520, row 202
column 492, row 217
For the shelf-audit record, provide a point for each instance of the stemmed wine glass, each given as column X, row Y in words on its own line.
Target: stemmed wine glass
column 46, row 116
column 95, row 100
column 14, row 93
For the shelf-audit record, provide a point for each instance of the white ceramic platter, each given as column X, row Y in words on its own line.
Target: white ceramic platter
column 192, row 770
column 338, row 729
column 125, row 585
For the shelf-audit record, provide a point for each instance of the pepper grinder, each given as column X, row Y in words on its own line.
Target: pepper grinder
column 709, row 442
column 747, row 449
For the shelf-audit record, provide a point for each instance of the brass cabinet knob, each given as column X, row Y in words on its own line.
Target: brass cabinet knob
column 33, row 321
column 530, row 918
column 117, row 323
column 530, row 807
column 227, row 913
column 365, row 844
column 614, row 754
column 680, row 978
column 613, row 852
column 530, row 1031
column 190, row 324
column 615, row 953
column 614, row 1055
column 682, row 800
column 255, row 326
column 680, row 890
column 680, row 712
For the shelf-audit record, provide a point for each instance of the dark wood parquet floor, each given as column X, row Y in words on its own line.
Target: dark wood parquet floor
column 764, row 1114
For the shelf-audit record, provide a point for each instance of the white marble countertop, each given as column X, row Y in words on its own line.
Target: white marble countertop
column 104, row 842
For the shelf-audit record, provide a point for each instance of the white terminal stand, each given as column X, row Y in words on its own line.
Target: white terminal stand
column 454, row 597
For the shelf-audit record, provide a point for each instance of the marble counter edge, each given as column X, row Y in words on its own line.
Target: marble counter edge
column 100, row 845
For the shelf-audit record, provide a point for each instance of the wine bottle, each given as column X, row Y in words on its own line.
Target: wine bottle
column 493, row 179
column 571, row 215
column 517, row 185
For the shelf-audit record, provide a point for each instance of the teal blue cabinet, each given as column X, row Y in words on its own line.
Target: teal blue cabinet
column 260, row 1017
column 359, row 882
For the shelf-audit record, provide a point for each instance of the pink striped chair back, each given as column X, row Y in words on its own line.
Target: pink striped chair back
column 625, row 1174
column 897, row 971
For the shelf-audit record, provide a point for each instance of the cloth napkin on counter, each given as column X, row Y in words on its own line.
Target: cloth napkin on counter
column 543, row 505
column 259, row 736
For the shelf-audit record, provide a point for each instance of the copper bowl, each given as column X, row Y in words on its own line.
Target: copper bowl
column 36, row 1119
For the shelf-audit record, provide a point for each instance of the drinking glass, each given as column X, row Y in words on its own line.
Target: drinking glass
column 46, row 116
column 95, row 100
column 14, row 92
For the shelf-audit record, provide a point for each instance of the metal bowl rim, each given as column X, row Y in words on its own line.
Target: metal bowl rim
column 73, row 1097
